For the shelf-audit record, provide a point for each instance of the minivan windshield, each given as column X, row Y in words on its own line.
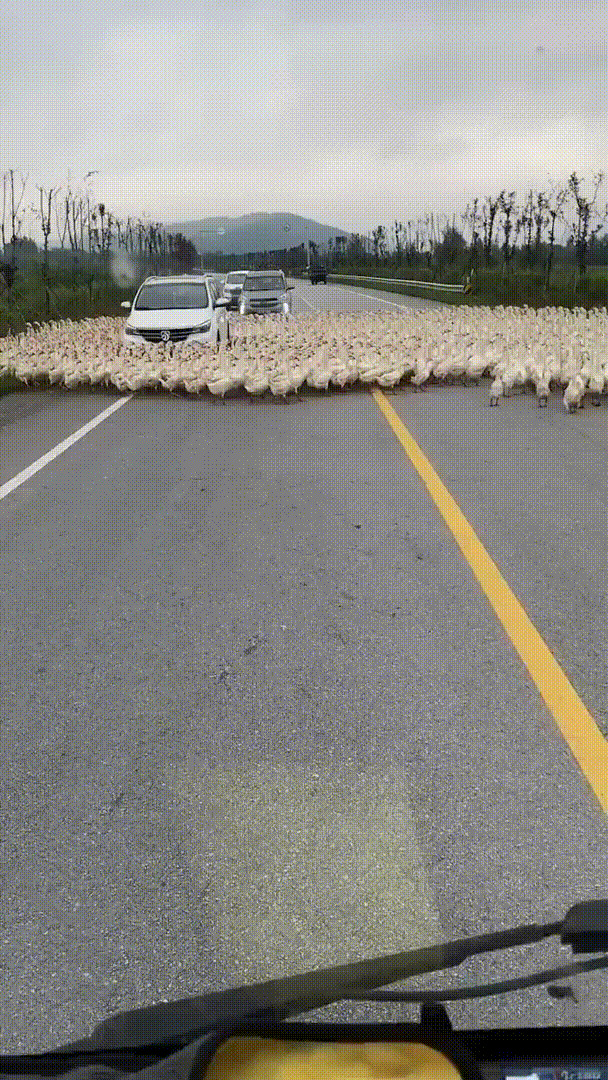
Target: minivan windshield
column 236, row 279
column 263, row 283
column 169, row 295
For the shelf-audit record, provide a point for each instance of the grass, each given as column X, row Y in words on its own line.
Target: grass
column 34, row 298
column 29, row 301
column 519, row 287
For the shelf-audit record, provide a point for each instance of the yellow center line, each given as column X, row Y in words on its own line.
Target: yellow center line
column 586, row 742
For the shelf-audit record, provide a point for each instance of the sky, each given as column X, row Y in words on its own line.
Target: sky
column 353, row 115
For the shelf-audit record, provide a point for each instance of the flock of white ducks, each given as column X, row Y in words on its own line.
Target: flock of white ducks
column 515, row 346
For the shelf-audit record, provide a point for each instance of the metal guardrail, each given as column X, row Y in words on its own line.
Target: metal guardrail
column 403, row 281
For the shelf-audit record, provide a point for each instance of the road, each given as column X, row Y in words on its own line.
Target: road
column 258, row 715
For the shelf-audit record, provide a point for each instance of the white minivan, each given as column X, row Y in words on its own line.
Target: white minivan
column 179, row 308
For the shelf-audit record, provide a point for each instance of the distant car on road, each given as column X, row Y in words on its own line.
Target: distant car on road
column 185, row 307
column 218, row 278
column 318, row 272
column 233, row 285
column 265, row 291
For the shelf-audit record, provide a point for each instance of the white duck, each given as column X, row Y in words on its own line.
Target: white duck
column 298, row 366
column 319, row 374
column 371, row 364
column 195, row 383
column 477, row 361
column 172, row 381
column 221, row 378
column 574, row 393
column 345, row 370
column 447, row 363
column 72, row 377
column 279, row 380
column 593, row 373
column 138, row 381
column 423, row 365
column 255, row 379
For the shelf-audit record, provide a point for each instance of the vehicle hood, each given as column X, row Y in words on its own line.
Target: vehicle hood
column 169, row 318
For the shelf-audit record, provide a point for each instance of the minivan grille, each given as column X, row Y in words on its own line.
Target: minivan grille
column 154, row 336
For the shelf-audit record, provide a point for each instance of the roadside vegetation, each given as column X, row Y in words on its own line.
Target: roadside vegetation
column 552, row 250
column 489, row 288
column 89, row 260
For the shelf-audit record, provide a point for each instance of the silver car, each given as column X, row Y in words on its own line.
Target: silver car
column 265, row 291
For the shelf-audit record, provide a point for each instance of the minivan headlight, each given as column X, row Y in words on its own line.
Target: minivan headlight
column 132, row 331
column 204, row 328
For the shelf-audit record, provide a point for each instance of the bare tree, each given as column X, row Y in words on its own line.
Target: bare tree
column 339, row 246
column 398, row 230
column 541, row 218
column 378, row 236
column 526, row 221
column 46, row 200
column 472, row 217
column 579, row 236
column 61, row 229
column 154, row 245
column 554, row 211
column 81, row 212
column 506, row 203
column 70, row 220
column 356, row 247
column 120, row 233
column 488, row 216
column 15, row 221
column 69, row 205
column 433, row 231
column 518, row 229
column 593, row 235
column 4, row 209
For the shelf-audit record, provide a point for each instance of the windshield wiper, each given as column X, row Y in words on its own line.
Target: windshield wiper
column 584, row 928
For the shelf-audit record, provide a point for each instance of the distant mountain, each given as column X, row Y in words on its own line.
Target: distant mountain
column 254, row 232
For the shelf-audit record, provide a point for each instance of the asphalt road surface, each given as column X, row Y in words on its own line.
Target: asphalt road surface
column 258, row 716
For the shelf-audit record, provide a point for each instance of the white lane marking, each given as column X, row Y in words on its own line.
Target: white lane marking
column 369, row 296
column 37, row 465
column 303, row 299
column 402, row 307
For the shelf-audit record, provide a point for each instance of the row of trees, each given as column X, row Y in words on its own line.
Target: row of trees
column 495, row 231
column 84, row 227
column 580, row 218
column 500, row 233
column 499, row 230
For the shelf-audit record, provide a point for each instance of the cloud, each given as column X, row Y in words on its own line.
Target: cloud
column 191, row 109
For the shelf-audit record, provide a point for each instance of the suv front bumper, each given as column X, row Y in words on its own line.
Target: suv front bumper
column 279, row 307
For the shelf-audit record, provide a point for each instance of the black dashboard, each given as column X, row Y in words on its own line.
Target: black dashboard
column 540, row 1053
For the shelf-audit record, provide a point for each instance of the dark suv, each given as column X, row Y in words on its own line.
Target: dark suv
column 318, row 272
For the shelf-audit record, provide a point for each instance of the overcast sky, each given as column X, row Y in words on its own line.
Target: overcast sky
column 188, row 109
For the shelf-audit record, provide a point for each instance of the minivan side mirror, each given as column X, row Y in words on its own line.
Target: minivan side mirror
column 126, row 303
